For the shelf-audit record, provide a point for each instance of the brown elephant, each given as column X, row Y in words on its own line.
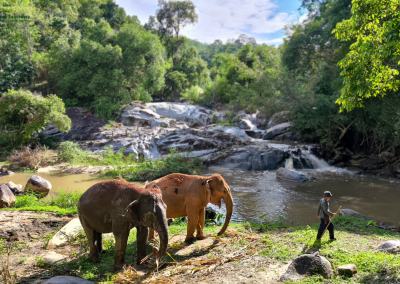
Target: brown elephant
column 187, row 195
column 117, row 206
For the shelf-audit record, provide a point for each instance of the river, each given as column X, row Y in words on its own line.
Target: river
column 257, row 193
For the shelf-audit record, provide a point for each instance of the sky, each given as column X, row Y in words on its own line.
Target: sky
column 223, row 19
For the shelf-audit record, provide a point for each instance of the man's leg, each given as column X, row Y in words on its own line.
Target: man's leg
column 331, row 231
column 321, row 229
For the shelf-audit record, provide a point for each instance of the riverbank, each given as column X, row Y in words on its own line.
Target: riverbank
column 256, row 253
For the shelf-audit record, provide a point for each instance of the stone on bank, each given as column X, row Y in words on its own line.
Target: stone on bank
column 7, row 198
column 285, row 174
column 38, row 185
column 347, row 270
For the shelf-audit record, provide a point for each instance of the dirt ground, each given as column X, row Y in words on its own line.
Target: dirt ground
column 28, row 232
column 213, row 260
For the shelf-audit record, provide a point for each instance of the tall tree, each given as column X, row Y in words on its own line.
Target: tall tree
column 172, row 17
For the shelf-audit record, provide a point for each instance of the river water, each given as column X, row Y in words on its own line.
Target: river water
column 257, row 193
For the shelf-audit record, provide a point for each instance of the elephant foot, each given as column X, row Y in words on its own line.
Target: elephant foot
column 202, row 237
column 190, row 240
column 119, row 266
column 95, row 258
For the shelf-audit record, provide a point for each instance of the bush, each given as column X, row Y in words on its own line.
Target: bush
column 153, row 169
column 30, row 158
column 71, row 152
column 24, row 114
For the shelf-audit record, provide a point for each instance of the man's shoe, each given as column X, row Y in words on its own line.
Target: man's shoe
column 334, row 239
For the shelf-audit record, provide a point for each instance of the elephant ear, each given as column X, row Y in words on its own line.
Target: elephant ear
column 132, row 212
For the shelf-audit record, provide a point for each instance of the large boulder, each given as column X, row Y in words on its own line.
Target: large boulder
column 255, row 159
column 278, row 118
column 7, row 198
column 389, row 246
column 262, row 121
column 285, row 174
column 16, row 189
column 38, row 185
column 68, row 232
column 253, row 133
column 190, row 114
column 138, row 114
column 347, row 270
column 308, row 265
column 277, row 130
column 5, row 172
column 349, row 212
column 245, row 124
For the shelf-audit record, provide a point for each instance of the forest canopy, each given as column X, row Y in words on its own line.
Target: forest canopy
column 336, row 72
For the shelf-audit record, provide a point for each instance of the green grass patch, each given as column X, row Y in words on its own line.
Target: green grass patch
column 62, row 202
column 154, row 169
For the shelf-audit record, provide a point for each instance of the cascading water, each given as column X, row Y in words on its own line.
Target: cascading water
column 289, row 164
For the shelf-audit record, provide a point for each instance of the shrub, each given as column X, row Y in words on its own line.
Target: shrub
column 24, row 114
column 70, row 152
column 30, row 158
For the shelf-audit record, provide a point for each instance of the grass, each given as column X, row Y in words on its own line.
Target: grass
column 63, row 203
column 275, row 243
column 153, row 169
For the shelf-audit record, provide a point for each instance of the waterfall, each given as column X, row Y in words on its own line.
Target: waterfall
column 253, row 126
column 289, row 164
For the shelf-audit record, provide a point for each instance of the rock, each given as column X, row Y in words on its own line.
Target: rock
column 278, row 118
column 211, row 213
column 139, row 115
column 52, row 257
column 307, row 265
column 349, row 212
column 16, row 189
column 289, row 136
column 5, row 172
column 347, row 270
column 253, row 133
column 374, row 162
column 255, row 159
column 192, row 115
column 228, row 129
column 279, row 129
column 341, row 156
column 7, row 198
column 38, row 185
column 67, row 280
column 245, row 124
column 389, row 246
column 262, row 121
column 285, row 174
column 68, row 232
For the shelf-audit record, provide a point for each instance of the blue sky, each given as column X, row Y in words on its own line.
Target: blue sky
column 222, row 19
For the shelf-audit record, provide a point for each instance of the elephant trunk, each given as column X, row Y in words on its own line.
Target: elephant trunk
column 161, row 227
column 229, row 209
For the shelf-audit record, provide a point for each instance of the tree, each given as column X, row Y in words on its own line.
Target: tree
column 15, row 71
column 370, row 69
column 172, row 17
column 25, row 114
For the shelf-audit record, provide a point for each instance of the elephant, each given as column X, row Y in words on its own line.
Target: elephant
column 187, row 195
column 118, row 206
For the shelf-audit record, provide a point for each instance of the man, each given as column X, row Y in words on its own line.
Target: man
column 325, row 216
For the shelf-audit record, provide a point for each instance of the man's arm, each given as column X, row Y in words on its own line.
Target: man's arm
column 319, row 208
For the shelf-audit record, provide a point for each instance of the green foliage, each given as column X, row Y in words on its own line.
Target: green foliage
column 153, row 169
column 371, row 67
column 15, row 71
column 62, row 202
column 25, row 114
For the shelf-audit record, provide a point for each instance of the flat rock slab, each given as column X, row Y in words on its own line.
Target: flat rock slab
column 53, row 257
column 349, row 212
column 389, row 246
column 347, row 270
column 69, row 231
column 285, row 174
column 199, row 244
column 67, row 280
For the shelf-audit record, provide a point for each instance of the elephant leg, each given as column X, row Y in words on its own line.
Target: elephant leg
column 200, row 224
column 90, row 234
column 121, row 234
column 141, row 241
column 193, row 220
column 99, row 242
column 151, row 234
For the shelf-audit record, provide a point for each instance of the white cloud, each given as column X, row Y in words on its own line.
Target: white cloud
column 223, row 19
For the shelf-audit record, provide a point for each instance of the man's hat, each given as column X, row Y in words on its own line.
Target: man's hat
column 327, row 194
